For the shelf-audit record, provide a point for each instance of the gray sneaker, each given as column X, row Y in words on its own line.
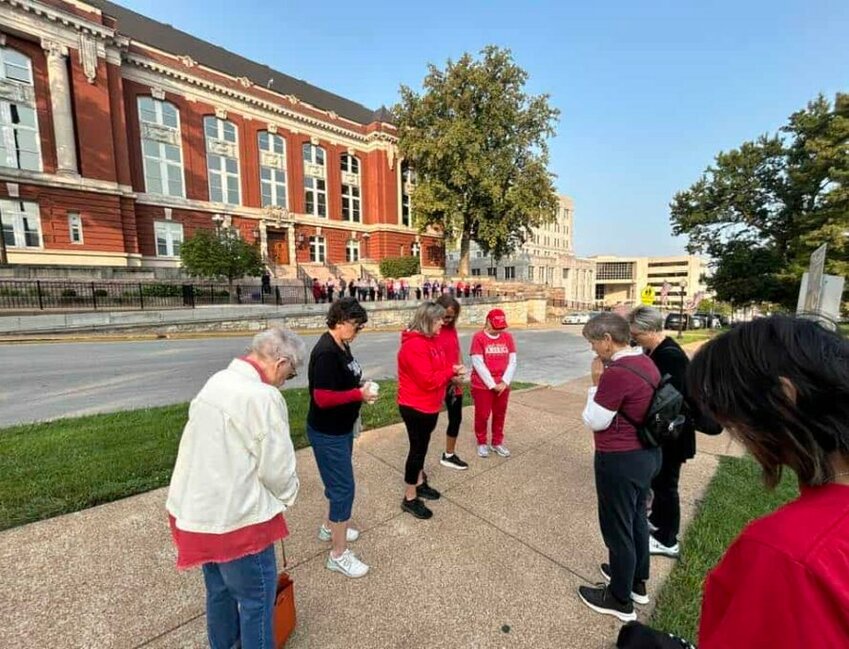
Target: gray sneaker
column 324, row 534
column 501, row 450
column 347, row 564
column 483, row 450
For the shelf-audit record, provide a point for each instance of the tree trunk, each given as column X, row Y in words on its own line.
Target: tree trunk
column 465, row 245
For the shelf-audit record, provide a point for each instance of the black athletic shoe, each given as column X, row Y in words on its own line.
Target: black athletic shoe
column 454, row 462
column 601, row 600
column 639, row 595
column 424, row 490
column 416, row 507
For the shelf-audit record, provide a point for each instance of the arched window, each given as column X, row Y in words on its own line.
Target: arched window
column 222, row 160
column 162, row 149
column 20, row 146
column 315, row 183
column 350, row 168
column 272, row 169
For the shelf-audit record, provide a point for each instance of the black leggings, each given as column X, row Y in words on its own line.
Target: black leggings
column 454, row 408
column 419, row 427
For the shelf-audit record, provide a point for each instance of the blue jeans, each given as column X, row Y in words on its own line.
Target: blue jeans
column 333, row 457
column 240, row 601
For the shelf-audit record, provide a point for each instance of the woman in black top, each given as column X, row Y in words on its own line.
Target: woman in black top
column 336, row 394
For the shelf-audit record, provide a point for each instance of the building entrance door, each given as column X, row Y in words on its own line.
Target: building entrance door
column 278, row 248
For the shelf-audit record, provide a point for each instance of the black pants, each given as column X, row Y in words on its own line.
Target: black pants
column 420, row 425
column 666, row 506
column 622, row 483
column 454, row 408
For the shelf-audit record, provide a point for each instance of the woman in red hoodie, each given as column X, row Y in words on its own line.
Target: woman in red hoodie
column 448, row 339
column 423, row 376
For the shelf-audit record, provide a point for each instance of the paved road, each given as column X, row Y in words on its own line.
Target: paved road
column 46, row 381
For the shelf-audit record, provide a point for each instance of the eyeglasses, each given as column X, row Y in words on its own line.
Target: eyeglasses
column 293, row 372
column 448, row 318
column 358, row 326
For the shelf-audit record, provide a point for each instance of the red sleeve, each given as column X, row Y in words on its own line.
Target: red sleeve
column 511, row 344
column 423, row 367
column 332, row 398
column 477, row 345
column 611, row 392
column 759, row 597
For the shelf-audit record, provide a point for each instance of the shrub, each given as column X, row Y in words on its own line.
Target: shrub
column 162, row 290
column 69, row 292
column 399, row 266
column 101, row 292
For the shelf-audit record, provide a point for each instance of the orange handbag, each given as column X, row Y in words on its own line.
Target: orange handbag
column 284, row 605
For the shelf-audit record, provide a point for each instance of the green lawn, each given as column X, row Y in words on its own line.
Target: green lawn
column 736, row 495
column 63, row 466
column 695, row 336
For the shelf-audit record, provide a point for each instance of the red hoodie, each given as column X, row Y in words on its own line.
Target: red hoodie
column 423, row 372
column 449, row 341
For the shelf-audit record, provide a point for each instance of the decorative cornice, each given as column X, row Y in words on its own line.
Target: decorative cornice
column 183, row 76
column 63, row 18
column 77, row 183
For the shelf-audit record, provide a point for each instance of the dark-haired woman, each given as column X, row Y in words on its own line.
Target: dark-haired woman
column 336, row 395
column 449, row 341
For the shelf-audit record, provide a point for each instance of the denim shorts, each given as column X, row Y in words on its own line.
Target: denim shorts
column 333, row 457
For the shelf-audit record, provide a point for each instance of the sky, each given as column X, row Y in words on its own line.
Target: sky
column 648, row 92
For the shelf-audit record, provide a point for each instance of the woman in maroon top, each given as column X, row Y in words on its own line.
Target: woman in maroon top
column 623, row 386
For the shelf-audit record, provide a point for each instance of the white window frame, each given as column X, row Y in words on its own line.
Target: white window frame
column 161, row 135
column 352, row 251
column 415, row 249
column 219, row 149
column 168, row 229
column 408, row 178
column 14, row 213
column 318, row 249
column 350, row 167
column 273, row 160
column 75, row 228
column 19, row 95
column 315, row 180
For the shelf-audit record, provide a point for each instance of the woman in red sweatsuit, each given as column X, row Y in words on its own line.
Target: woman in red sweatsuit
column 423, row 376
column 493, row 355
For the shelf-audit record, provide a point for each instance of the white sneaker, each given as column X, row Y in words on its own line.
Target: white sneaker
column 347, row 564
column 324, row 534
column 501, row 450
column 652, row 527
column 483, row 450
column 657, row 548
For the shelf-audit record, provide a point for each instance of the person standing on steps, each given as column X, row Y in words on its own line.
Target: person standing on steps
column 423, row 378
column 449, row 341
column 493, row 355
column 336, row 394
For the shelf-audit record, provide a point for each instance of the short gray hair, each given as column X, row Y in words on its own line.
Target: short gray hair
column 646, row 318
column 426, row 317
column 608, row 323
column 277, row 342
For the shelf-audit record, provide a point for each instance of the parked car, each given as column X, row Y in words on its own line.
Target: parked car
column 700, row 321
column 577, row 318
column 674, row 319
column 711, row 320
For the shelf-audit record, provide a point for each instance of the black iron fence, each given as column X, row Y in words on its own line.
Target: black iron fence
column 43, row 295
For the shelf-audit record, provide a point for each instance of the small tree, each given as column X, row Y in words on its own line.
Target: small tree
column 399, row 266
column 220, row 255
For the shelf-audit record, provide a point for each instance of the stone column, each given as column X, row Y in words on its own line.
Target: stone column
column 263, row 241
column 60, row 103
column 290, row 239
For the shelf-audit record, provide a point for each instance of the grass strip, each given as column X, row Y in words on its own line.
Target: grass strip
column 63, row 466
column 735, row 497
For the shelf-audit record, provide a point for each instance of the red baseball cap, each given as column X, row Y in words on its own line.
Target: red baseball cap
column 497, row 319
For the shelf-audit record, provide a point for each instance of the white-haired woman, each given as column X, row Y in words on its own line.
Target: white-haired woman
column 423, row 377
column 233, row 479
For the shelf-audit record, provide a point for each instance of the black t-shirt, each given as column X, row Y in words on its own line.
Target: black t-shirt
column 333, row 368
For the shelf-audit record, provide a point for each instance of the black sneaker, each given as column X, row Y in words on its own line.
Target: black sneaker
column 454, row 462
column 601, row 600
column 416, row 507
column 639, row 595
column 424, row 490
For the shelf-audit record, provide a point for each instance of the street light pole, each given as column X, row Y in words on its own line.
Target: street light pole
column 3, row 258
column 683, row 286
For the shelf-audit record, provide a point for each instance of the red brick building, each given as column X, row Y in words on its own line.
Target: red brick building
column 120, row 136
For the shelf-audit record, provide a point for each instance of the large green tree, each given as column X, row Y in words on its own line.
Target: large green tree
column 760, row 210
column 478, row 143
column 221, row 254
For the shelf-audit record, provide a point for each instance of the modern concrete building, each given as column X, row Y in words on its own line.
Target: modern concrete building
column 120, row 136
column 547, row 259
column 621, row 280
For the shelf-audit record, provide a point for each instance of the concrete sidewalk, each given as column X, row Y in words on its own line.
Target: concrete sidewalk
column 497, row 566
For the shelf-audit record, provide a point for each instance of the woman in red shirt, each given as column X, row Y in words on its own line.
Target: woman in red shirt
column 423, row 377
column 493, row 355
column 448, row 339
column 780, row 386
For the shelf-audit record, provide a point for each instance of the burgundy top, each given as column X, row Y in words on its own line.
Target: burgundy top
column 624, row 391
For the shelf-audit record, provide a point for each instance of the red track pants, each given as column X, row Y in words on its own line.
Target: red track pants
column 487, row 403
